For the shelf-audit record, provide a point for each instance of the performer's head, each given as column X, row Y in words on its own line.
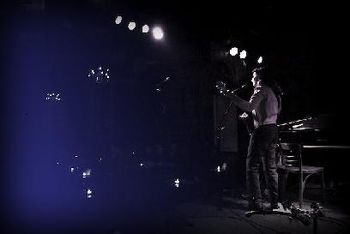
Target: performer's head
column 263, row 75
column 258, row 75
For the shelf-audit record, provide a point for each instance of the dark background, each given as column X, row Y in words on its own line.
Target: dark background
column 52, row 47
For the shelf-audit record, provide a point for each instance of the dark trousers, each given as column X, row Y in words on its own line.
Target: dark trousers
column 262, row 147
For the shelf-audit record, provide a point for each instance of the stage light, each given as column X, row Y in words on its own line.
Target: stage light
column 177, row 183
column 87, row 173
column 157, row 33
column 260, row 59
column 141, row 164
column 72, row 169
column 118, row 20
column 145, row 28
column 53, row 96
column 234, row 51
column 100, row 75
column 218, row 169
column 243, row 54
column 89, row 193
column 131, row 26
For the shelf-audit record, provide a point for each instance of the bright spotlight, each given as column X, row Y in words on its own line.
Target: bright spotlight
column 243, row 54
column 177, row 183
column 157, row 33
column 234, row 51
column 132, row 25
column 89, row 193
column 260, row 59
column 118, row 20
column 145, row 28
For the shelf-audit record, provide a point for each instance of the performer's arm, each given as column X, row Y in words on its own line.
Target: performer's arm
column 245, row 105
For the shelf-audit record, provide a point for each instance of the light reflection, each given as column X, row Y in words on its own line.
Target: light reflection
column 224, row 166
column 87, row 173
column 177, row 183
column 53, row 97
column 100, row 76
column 89, row 193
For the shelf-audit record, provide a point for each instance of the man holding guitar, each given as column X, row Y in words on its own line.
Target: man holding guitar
column 264, row 105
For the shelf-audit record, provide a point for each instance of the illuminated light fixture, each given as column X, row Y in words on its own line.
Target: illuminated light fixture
column 118, row 20
column 243, row 54
column 131, row 25
column 157, row 33
column 234, row 51
column 177, row 183
column 260, row 59
column 145, row 28
column 87, row 173
column 53, row 97
column 100, row 75
column 89, row 193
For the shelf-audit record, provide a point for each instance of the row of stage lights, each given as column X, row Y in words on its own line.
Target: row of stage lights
column 157, row 31
column 242, row 54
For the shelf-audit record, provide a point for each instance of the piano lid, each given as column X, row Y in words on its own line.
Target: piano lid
column 321, row 129
column 309, row 123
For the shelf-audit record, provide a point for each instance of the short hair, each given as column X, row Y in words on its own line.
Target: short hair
column 261, row 71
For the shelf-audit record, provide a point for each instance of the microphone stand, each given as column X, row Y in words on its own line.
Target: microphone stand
column 221, row 127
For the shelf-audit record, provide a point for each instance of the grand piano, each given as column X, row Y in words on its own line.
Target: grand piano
column 325, row 143
column 316, row 132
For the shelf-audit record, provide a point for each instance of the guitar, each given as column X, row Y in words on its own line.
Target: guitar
column 245, row 117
